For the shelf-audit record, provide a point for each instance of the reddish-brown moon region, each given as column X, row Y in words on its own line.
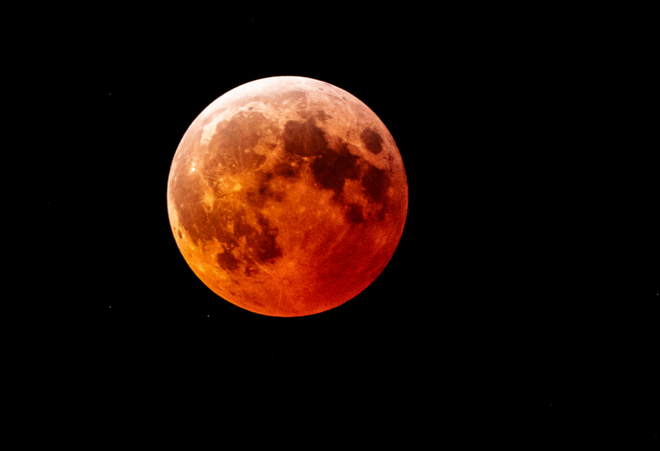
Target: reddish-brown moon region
column 287, row 196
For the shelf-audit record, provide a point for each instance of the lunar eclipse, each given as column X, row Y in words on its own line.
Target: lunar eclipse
column 287, row 196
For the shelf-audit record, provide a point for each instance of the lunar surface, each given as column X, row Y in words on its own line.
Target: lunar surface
column 287, row 196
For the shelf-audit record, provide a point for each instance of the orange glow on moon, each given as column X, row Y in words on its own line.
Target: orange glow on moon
column 287, row 196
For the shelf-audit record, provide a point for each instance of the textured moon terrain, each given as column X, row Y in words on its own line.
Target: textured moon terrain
column 287, row 196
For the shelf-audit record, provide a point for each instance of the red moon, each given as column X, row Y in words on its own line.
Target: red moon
column 287, row 196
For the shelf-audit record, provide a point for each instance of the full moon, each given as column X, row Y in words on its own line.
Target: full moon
column 287, row 196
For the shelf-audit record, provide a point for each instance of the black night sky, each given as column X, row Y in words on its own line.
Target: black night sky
column 522, row 302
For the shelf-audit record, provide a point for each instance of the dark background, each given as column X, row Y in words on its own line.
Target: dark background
column 522, row 300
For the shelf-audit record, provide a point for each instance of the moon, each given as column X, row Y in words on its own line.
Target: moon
column 287, row 196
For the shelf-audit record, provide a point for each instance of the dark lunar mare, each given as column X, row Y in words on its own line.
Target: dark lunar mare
column 330, row 166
